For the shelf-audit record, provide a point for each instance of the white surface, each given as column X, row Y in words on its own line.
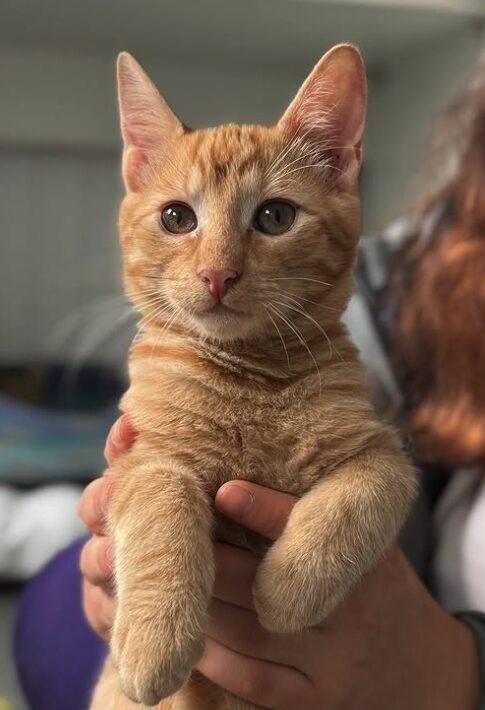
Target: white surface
column 34, row 526
column 459, row 561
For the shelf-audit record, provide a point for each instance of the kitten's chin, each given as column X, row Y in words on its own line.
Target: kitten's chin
column 225, row 325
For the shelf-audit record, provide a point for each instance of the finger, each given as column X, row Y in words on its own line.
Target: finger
column 260, row 509
column 94, row 501
column 239, row 629
column 235, row 573
column 96, row 561
column 265, row 684
column 98, row 609
column 120, row 438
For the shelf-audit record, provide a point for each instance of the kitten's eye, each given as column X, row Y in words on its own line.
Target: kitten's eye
column 274, row 217
column 178, row 218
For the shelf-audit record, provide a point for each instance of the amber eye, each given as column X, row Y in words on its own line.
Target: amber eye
column 274, row 217
column 178, row 218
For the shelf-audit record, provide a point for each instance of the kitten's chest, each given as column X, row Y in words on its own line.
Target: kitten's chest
column 221, row 435
column 223, row 425
column 264, row 446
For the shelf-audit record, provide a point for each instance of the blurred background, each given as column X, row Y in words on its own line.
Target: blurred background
column 64, row 325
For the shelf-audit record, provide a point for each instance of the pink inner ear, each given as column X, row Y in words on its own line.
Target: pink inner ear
column 344, row 164
column 134, row 162
column 147, row 122
column 141, row 128
column 142, row 134
column 328, row 113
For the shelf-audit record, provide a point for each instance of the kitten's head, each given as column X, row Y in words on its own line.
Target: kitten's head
column 238, row 231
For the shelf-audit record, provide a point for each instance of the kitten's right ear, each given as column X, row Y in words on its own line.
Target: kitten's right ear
column 329, row 110
column 147, row 121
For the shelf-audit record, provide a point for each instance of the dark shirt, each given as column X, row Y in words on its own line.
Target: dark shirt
column 416, row 537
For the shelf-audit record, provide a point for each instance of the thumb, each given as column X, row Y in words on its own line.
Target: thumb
column 260, row 509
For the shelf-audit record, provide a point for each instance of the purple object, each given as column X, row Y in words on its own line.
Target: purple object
column 58, row 656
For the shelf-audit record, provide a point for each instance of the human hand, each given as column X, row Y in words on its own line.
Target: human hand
column 96, row 561
column 390, row 647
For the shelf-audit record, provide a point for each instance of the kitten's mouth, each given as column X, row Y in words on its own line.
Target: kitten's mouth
column 220, row 309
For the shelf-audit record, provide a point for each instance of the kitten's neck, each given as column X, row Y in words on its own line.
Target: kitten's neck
column 269, row 360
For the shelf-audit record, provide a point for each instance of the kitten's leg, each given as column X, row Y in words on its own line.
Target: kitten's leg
column 161, row 523
column 335, row 533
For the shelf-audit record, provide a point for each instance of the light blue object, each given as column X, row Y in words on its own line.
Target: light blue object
column 38, row 445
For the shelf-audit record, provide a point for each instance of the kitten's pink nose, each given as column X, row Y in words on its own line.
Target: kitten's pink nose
column 219, row 281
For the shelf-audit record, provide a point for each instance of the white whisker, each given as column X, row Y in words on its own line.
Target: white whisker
column 300, row 337
column 306, row 315
column 300, row 278
column 280, row 334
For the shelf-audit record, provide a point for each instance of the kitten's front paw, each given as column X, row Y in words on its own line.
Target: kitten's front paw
column 153, row 659
column 291, row 595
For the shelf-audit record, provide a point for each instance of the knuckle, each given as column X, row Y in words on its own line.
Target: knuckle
column 84, row 563
column 110, row 450
column 106, row 452
column 92, row 605
column 93, row 506
column 85, row 503
column 102, row 558
column 95, row 560
column 88, row 598
column 97, row 504
column 89, row 506
column 104, row 561
column 119, row 438
column 108, row 483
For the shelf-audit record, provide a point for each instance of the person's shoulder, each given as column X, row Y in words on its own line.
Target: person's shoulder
column 362, row 316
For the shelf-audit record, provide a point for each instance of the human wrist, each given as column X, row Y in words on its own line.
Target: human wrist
column 437, row 663
column 454, row 679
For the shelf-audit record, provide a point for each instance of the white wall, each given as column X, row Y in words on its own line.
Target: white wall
column 57, row 249
column 53, row 97
column 405, row 98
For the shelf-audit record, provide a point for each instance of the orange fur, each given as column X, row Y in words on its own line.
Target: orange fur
column 271, row 392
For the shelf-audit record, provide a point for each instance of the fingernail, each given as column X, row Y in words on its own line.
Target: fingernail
column 234, row 500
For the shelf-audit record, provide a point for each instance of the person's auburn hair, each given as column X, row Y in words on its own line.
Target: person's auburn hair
column 436, row 294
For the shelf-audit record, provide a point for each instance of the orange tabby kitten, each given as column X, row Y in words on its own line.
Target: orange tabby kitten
column 238, row 246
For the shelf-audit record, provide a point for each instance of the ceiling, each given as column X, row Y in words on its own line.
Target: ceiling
column 280, row 33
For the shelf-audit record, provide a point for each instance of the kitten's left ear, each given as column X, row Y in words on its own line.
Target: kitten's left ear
column 329, row 111
column 147, row 121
